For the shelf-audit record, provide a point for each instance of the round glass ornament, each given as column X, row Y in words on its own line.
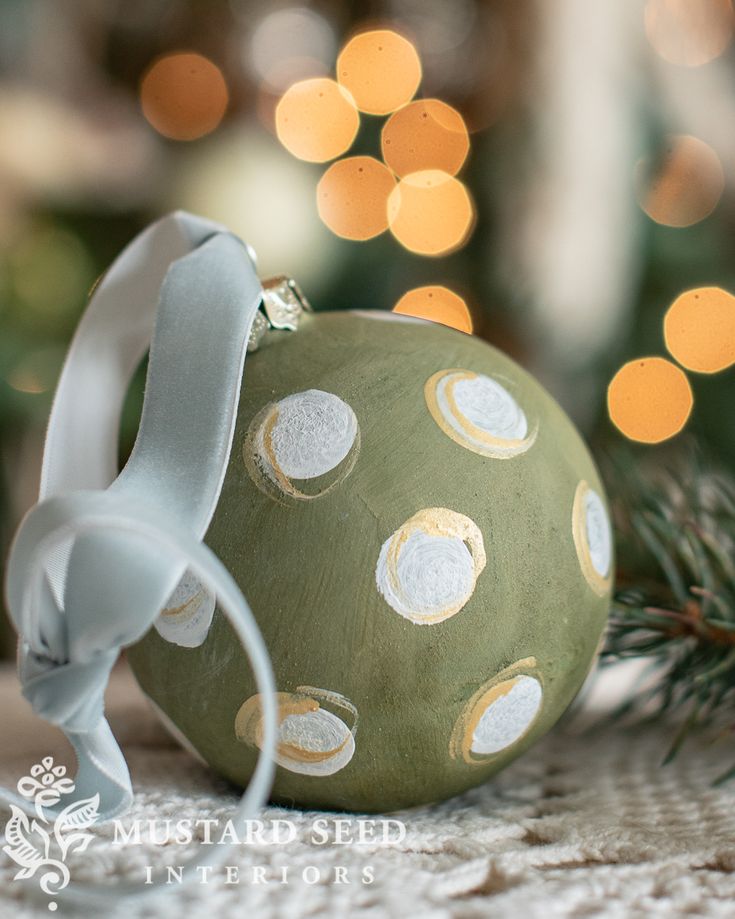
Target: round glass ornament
column 425, row 543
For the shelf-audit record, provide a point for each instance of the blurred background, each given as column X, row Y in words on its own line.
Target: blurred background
column 557, row 177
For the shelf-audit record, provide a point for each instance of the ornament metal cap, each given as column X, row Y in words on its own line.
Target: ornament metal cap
column 282, row 307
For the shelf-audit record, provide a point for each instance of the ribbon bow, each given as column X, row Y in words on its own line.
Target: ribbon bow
column 94, row 561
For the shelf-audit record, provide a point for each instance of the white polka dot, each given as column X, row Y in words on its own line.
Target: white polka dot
column 489, row 406
column 425, row 571
column 187, row 616
column 599, row 537
column 314, row 431
column 319, row 733
column 312, row 739
column 479, row 413
column 508, row 717
column 304, row 436
column 593, row 539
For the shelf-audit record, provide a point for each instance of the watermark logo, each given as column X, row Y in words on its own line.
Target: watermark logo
column 39, row 838
column 42, row 843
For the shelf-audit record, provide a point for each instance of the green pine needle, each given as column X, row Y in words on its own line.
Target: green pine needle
column 675, row 596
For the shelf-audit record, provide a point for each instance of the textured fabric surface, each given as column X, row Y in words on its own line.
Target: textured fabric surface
column 585, row 824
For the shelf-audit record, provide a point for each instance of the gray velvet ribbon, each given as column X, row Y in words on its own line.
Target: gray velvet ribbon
column 95, row 560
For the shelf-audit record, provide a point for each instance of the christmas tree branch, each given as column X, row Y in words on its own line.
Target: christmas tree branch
column 674, row 603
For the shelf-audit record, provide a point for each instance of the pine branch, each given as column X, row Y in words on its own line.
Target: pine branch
column 675, row 596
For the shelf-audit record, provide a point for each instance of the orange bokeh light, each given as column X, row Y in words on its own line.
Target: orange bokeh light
column 316, row 120
column 430, row 212
column 686, row 184
column 437, row 303
column 381, row 69
column 184, row 96
column 689, row 32
column 649, row 399
column 426, row 134
column 352, row 197
column 699, row 329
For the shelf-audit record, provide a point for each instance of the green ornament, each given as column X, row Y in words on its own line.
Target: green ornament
column 424, row 541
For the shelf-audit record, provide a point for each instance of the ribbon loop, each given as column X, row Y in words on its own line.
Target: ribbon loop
column 94, row 561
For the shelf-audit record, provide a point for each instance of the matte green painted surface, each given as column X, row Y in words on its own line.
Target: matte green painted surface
column 307, row 569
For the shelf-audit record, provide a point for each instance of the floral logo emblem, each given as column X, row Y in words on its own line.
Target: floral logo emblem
column 40, row 843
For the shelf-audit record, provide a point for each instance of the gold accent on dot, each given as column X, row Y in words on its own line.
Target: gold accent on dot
column 319, row 725
column 464, row 432
column 494, row 689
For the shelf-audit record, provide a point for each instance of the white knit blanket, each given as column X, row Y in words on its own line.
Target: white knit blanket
column 588, row 823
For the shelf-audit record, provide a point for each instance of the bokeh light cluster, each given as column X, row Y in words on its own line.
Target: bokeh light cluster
column 684, row 182
column 412, row 190
column 650, row 399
